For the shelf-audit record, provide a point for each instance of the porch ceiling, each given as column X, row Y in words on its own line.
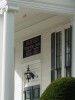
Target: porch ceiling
column 29, row 20
column 27, row 17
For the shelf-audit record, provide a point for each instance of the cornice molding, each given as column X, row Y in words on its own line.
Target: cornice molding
column 40, row 5
column 5, row 7
column 3, row 3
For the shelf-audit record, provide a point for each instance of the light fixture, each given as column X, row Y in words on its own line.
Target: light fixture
column 29, row 74
column 24, row 16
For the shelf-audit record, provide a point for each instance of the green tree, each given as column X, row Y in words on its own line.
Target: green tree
column 60, row 89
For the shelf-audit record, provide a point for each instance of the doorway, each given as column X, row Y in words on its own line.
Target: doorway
column 32, row 93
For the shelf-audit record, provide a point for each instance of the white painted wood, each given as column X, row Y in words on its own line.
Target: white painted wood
column 44, row 58
column 1, row 49
column 46, row 5
column 8, row 57
column 41, row 26
column 63, row 53
column 73, row 47
column 65, row 6
column 26, row 32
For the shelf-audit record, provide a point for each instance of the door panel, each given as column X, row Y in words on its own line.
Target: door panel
column 32, row 93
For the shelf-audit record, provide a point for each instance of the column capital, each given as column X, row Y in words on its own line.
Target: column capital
column 4, row 6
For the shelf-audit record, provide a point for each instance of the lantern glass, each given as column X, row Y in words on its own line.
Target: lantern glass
column 28, row 75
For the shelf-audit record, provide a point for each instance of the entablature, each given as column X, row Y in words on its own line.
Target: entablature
column 44, row 5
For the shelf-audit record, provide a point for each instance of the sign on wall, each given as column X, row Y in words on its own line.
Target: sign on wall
column 32, row 46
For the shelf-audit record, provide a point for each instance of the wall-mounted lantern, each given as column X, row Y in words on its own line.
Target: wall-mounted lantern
column 28, row 74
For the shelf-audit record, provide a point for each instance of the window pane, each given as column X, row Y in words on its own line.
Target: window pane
column 58, row 53
column 68, row 47
column 68, row 72
column 66, row 60
column 69, row 60
column 60, row 61
column 60, row 49
column 35, row 93
column 60, row 37
column 57, row 50
column 69, row 32
column 27, row 94
column 53, row 41
column 57, row 38
column 52, row 75
column 53, row 50
column 52, row 60
column 66, row 35
column 58, row 73
column 57, row 62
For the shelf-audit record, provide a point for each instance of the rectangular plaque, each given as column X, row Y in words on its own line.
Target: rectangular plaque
column 32, row 46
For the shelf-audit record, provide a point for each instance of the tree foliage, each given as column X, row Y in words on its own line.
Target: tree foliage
column 60, row 89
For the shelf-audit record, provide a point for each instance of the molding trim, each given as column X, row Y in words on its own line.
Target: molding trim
column 5, row 7
column 43, row 6
column 40, row 5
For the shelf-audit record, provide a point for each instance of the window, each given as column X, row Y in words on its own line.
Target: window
column 59, row 54
column 32, row 46
column 68, row 50
column 56, row 55
column 52, row 56
column 32, row 92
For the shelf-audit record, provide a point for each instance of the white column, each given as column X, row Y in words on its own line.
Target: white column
column 8, row 56
column 1, row 39
column 73, row 47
